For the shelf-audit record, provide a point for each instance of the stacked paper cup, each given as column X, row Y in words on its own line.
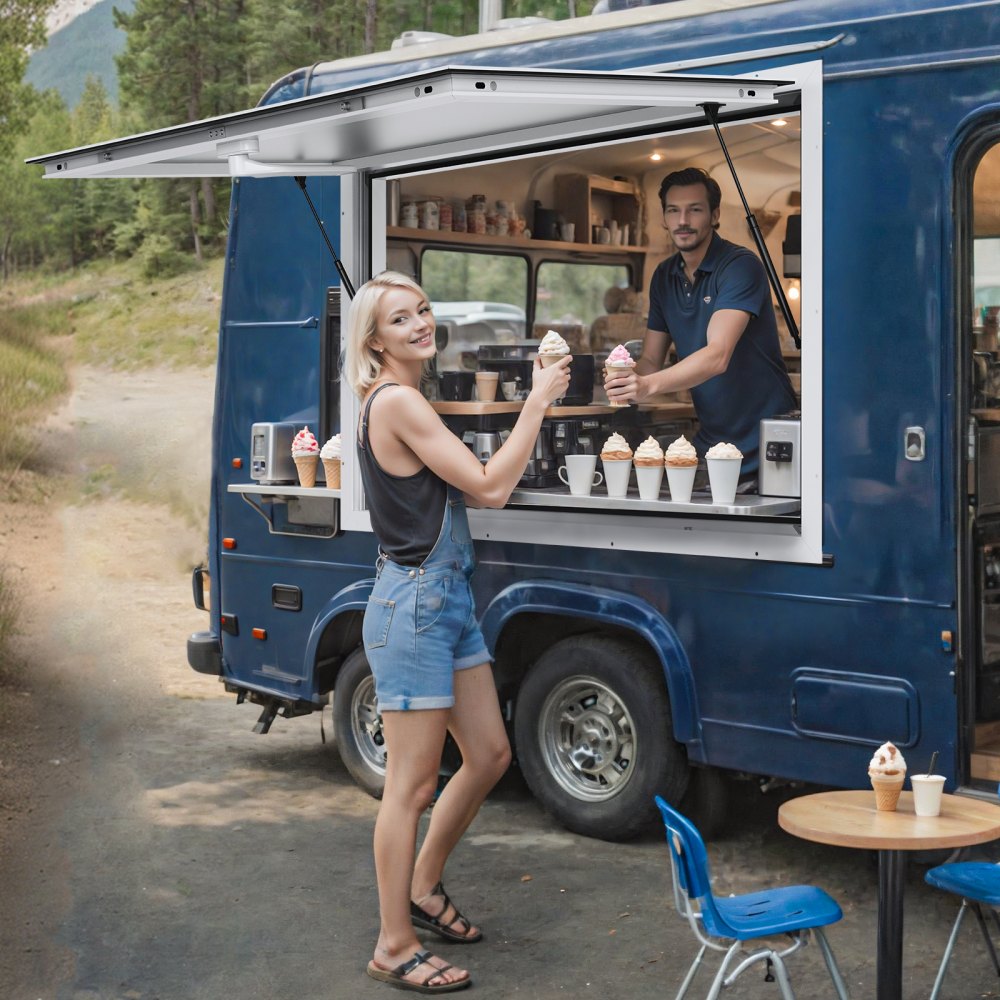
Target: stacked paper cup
column 681, row 461
column 616, row 456
column 724, row 461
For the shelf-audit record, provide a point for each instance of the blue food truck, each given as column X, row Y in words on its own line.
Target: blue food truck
column 641, row 646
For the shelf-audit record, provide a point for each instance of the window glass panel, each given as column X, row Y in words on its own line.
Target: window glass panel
column 478, row 299
column 570, row 297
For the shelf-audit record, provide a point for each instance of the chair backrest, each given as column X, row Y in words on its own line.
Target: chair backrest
column 691, row 866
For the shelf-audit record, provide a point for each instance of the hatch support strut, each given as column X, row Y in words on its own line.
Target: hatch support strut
column 341, row 270
column 712, row 114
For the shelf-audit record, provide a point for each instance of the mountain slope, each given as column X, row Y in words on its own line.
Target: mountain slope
column 86, row 46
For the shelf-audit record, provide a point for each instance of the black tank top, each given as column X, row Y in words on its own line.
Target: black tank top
column 406, row 511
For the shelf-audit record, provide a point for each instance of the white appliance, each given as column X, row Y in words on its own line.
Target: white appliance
column 780, row 456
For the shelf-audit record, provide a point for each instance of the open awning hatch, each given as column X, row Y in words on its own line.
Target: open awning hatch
column 415, row 120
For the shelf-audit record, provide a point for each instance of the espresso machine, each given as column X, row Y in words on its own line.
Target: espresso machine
column 542, row 470
column 576, row 436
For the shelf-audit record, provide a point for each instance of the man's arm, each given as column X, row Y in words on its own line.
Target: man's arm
column 649, row 379
column 655, row 346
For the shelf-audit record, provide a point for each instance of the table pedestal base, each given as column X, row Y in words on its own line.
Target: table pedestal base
column 891, row 882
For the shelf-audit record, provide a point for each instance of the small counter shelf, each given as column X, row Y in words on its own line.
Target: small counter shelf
column 293, row 510
column 474, row 408
column 744, row 506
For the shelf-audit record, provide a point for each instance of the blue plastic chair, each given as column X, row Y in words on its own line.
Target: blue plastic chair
column 793, row 910
column 978, row 883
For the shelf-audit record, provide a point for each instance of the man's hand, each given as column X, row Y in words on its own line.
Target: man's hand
column 628, row 387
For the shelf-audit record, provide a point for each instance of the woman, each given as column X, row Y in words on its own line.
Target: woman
column 431, row 667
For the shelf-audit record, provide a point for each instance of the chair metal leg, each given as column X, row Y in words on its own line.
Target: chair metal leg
column 978, row 911
column 781, row 974
column 695, row 966
column 720, row 976
column 831, row 963
column 948, row 950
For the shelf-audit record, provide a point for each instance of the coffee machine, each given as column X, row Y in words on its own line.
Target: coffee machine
column 576, row 436
column 542, row 470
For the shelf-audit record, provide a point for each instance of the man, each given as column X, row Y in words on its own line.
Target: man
column 711, row 300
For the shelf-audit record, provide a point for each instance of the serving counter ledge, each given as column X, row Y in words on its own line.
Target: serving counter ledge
column 744, row 506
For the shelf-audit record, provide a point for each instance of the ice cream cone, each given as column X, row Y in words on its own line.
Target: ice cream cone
column 306, row 466
column 550, row 359
column 331, row 466
column 887, row 788
column 614, row 372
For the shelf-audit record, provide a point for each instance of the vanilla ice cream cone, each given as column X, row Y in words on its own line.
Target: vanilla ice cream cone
column 887, row 788
column 306, row 466
column 331, row 466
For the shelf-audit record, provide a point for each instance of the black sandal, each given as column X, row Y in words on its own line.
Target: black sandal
column 421, row 918
column 397, row 977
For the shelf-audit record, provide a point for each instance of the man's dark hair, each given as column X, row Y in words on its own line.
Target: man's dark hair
column 692, row 175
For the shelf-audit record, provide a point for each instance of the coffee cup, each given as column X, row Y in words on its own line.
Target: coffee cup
column 486, row 386
column 927, row 791
column 680, row 479
column 509, row 390
column 649, row 478
column 568, row 232
column 581, row 474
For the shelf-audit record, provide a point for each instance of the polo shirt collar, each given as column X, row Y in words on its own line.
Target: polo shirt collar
column 708, row 262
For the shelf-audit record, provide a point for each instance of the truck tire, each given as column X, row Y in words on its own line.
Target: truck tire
column 357, row 724
column 594, row 736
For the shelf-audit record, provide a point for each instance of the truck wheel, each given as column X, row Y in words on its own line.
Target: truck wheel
column 357, row 724
column 595, row 738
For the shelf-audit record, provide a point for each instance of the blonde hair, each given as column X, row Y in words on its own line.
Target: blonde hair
column 362, row 363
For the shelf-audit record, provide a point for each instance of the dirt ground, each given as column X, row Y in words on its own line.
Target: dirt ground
column 153, row 848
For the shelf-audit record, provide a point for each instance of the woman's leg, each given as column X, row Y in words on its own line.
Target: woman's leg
column 477, row 726
column 414, row 741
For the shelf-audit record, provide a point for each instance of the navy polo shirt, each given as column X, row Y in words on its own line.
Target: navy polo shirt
column 730, row 406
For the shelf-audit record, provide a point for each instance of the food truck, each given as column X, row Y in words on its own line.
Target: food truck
column 641, row 646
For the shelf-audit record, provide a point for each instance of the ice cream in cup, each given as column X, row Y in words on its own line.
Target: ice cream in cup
column 305, row 453
column 724, row 461
column 330, row 456
column 616, row 457
column 618, row 362
column 887, row 771
column 648, row 461
column 552, row 348
column 681, row 461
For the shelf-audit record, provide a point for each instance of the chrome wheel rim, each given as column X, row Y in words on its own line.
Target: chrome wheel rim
column 588, row 739
column 366, row 725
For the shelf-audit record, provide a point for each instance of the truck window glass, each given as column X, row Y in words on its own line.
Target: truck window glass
column 578, row 300
column 478, row 298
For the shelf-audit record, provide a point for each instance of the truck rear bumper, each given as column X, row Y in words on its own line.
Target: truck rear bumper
column 205, row 653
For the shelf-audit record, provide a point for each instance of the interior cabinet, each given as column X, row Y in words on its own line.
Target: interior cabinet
column 588, row 200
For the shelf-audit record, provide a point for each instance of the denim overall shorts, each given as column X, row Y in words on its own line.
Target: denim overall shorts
column 420, row 624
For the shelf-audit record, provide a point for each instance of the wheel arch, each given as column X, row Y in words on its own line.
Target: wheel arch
column 510, row 623
column 335, row 632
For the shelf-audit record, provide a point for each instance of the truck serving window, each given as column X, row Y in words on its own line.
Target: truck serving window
column 478, row 298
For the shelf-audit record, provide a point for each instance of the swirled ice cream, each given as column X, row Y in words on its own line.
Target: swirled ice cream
column 305, row 453
column 723, row 450
column 616, row 449
column 304, row 444
column 648, row 454
column 552, row 348
column 331, row 449
column 887, row 760
column 619, row 358
column 681, row 454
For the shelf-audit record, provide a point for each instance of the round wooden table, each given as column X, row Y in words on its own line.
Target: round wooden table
column 850, row 819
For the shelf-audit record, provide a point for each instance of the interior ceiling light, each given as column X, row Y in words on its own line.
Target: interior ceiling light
column 656, row 157
column 779, row 122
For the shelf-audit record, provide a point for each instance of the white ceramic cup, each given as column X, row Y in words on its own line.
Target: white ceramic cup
column 680, row 479
column 927, row 791
column 616, row 473
column 724, row 477
column 649, row 478
column 486, row 386
column 581, row 474
column 569, row 232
